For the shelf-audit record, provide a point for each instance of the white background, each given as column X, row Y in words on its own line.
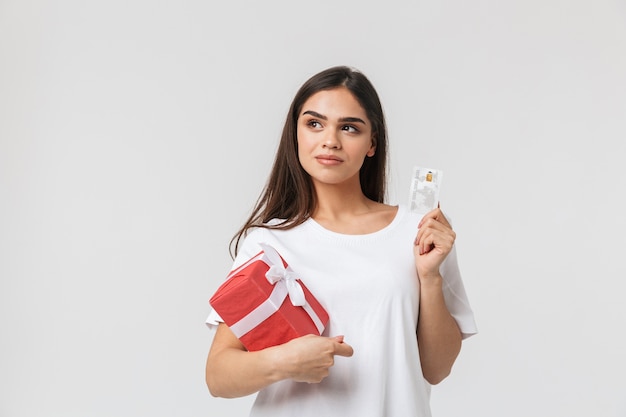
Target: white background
column 135, row 136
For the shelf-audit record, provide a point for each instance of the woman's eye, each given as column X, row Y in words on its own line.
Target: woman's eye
column 314, row 124
column 350, row 129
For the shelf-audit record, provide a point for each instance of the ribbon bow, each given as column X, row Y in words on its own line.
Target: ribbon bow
column 278, row 274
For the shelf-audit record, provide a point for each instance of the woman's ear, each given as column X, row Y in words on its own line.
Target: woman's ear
column 372, row 150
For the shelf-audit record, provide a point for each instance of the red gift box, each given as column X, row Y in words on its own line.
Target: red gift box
column 265, row 304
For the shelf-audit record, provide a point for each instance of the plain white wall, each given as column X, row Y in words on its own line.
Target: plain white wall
column 136, row 135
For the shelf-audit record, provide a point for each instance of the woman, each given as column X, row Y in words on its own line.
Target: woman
column 387, row 277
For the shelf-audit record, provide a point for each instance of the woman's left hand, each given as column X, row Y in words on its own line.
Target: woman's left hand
column 433, row 242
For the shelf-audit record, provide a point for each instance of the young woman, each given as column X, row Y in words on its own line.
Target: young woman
column 387, row 277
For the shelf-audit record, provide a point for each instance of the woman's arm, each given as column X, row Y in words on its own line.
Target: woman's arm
column 231, row 371
column 438, row 335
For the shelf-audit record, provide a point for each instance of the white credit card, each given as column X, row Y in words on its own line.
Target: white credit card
column 425, row 185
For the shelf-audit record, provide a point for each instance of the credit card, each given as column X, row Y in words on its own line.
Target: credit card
column 425, row 185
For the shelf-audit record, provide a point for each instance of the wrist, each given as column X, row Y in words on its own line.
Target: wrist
column 275, row 362
column 428, row 281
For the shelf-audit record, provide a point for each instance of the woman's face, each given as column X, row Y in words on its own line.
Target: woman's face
column 334, row 137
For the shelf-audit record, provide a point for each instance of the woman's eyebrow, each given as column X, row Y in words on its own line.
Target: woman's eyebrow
column 352, row 120
column 315, row 114
column 342, row 120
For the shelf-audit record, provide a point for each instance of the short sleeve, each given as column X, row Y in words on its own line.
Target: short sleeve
column 213, row 319
column 455, row 296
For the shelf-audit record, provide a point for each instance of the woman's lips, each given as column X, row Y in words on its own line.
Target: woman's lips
column 328, row 159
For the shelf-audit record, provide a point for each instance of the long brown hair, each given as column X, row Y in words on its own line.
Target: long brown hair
column 288, row 194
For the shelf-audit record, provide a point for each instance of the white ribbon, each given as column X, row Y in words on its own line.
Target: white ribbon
column 285, row 283
column 279, row 275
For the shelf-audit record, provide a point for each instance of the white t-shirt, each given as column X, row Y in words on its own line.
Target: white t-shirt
column 369, row 287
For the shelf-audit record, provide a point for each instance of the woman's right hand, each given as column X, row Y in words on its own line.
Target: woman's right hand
column 309, row 358
column 232, row 371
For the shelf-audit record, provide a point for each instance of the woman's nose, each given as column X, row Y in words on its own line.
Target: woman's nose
column 331, row 141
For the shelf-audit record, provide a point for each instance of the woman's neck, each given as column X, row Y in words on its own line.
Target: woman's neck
column 348, row 210
column 334, row 201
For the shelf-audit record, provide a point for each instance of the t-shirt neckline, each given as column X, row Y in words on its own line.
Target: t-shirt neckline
column 314, row 225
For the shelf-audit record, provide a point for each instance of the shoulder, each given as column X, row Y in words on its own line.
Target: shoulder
column 277, row 237
column 415, row 217
column 250, row 244
column 383, row 216
column 407, row 217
